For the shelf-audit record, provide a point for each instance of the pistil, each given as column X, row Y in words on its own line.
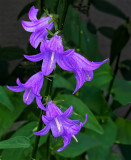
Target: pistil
column 52, row 58
column 75, row 138
column 57, row 123
column 28, row 95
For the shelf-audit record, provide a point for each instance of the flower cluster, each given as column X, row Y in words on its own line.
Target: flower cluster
column 52, row 52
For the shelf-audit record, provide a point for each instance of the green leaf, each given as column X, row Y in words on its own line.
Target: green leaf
column 11, row 53
column 4, row 99
column 102, row 77
column 123, row 131
column 80, row 109
column 6, row 116
column 61, row 82
column 109, row 8
column 93, row 97
column 25, row 10
column 16, row 142
column 107, row 31
column 121, row 91
column 75, row 149
column 126, row 151
column 119, row 40
column 125, row 68
column 113, row 156
column 107, row 139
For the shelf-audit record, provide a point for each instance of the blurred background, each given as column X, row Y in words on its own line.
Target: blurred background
column 97, row 29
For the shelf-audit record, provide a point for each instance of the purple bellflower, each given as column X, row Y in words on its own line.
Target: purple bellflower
column 52, row 52
column 59, row 124
column 37, row 26
column 32, row 89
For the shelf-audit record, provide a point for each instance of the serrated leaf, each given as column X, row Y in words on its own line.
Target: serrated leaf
column 16, row 142
column 123, row 131
column 80, row 109
column 119, row 40
column 107, row 7
column 4, row 99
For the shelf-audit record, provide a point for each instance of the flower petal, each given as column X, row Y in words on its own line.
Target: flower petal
column 34, row 58
column 29, row 26
column 45, row 119
column 44, row 131
column 28, row 96
column 80, row 79
column 18, row 82
column 55, row 44
column 56, row 132
column 35, row 82
column 49, row 62
column 39, row 103
column 37, row 37
column 88, row 75
column 67, row 139
column 68, row 112
column 86, row 64
column 33, row 13
column 16, row 88
column 52, row 110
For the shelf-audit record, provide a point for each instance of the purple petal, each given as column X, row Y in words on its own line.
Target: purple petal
column 34, row 58
column 39, row 103
column 64, row 63
column 18, row 82
column 88, row 75
column 52, row 110
column 43, row 45
column 45, row 119
column 44, row 131
column 37, row 25
column 33, row 13
column 86, row 64
column 80, row 78
column 56, row 131
column 28, row 96
column 68, row 112
column 16, row 88
column 67, row 139
column 55, row 44
column 68, row 122
column 35, row 82
column 49, row 62
column 37, row 37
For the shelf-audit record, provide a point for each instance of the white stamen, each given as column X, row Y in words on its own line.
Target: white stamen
column 28, row 95
column 74, row 138
column 57, row 123
column 88, row 76
column 52, row 58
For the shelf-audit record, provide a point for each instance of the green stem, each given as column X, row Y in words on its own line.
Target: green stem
column 48, row 90
column 65, row 8
column 114, row 75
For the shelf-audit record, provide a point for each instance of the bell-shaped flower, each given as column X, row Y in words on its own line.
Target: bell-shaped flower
column 32, row 89
column 37, row 26
column 52, row 52
column 59, row 124
column 82, row 68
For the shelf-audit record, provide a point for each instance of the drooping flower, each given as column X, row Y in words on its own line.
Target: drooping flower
column 32, row 89
column 59, row 124
column 37, row 26
column 52, row 52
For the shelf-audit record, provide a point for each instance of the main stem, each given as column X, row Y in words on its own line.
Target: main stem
column 112, row 81
column 48, row 90
column 65, row 8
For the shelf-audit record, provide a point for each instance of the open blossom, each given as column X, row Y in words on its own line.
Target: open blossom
column 52, row 52
column 32, row 89
column 59, row 124
column 37, row 26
